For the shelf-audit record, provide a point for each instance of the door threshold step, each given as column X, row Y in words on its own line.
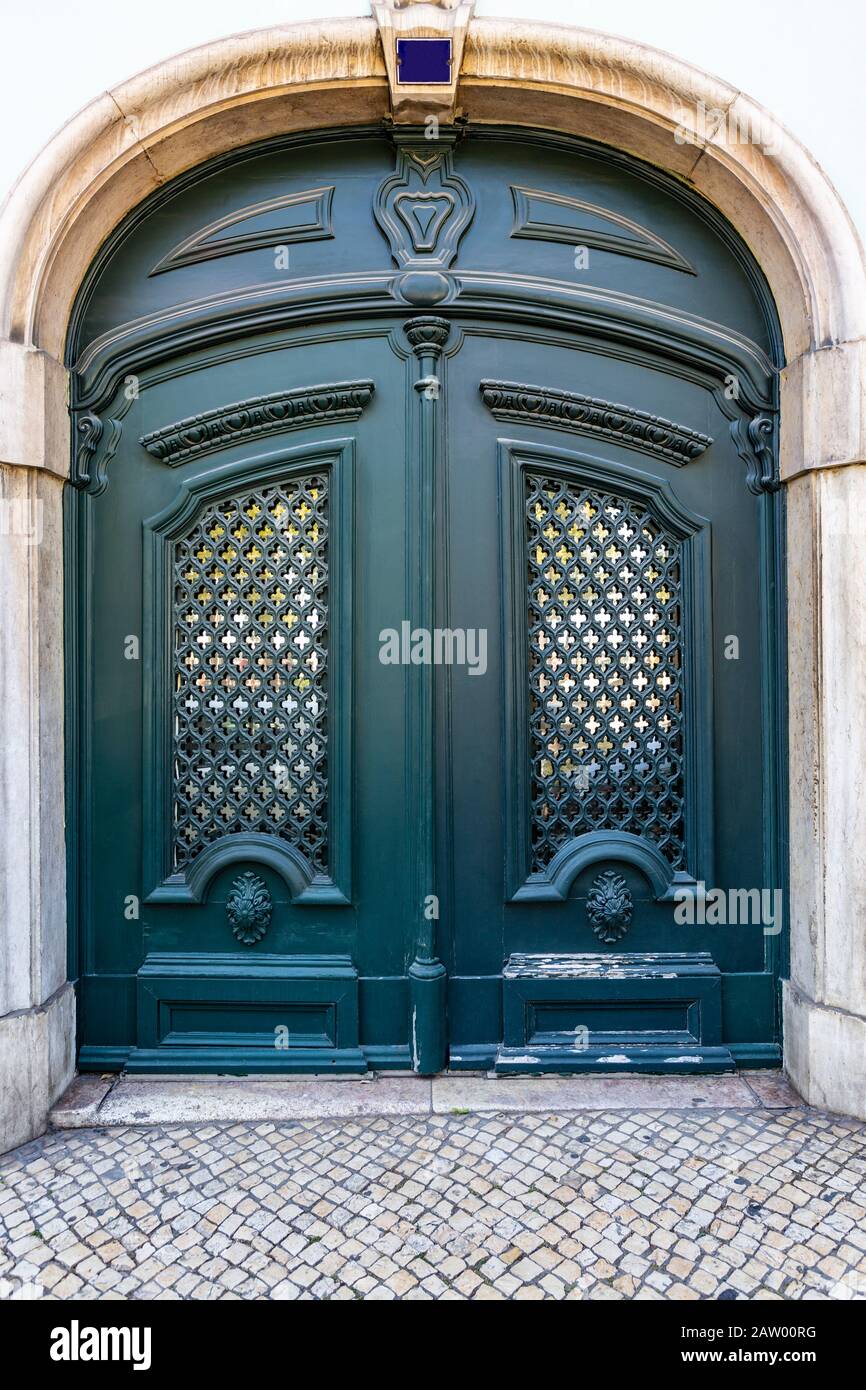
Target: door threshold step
column 660, row 1059
column 611, row 965
column 125, row 1101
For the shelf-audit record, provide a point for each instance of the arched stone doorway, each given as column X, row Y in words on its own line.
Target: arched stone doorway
column 305, row 76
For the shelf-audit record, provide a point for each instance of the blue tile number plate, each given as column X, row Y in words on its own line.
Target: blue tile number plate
column 424, row 61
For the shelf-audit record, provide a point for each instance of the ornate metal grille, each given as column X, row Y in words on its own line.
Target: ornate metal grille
column 605, row 669
column 250, row 736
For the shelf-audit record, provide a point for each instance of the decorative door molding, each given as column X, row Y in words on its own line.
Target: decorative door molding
column 546, row 216
column 259, row 415
column 424, row 207
column 269, row 223
column 637, row 429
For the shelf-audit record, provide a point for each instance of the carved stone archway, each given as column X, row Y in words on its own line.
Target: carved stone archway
column 143, row 133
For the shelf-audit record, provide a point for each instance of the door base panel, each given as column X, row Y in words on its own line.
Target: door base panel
column 239, row 1060
column 614, row 1011
column 355, row 1061
column 235, row 1013
column 473, row 1057
column 756, row 1056
column 638, row 1012
column 93, row 1058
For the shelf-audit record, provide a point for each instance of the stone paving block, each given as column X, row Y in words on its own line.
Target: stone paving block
column 679, row 1203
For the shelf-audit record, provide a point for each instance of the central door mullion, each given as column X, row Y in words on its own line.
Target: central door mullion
column 427, row 335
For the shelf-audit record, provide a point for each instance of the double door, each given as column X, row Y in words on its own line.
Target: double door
column 414, row 734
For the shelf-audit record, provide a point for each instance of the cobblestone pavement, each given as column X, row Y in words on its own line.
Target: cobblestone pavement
column 614, row 1204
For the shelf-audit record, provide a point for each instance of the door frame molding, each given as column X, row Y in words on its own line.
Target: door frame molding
column 630, row 97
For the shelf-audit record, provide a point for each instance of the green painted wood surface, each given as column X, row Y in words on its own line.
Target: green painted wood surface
column 230, row 293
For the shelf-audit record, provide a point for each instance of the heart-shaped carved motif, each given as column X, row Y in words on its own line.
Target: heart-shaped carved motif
column 424, row 214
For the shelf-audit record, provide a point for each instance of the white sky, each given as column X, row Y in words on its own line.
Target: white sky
column 803, row 61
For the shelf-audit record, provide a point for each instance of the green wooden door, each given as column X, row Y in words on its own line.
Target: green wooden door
column 613, row 751
column 424, row 623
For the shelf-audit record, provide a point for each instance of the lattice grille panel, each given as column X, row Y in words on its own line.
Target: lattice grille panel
column 251, row 671
column 605, row 669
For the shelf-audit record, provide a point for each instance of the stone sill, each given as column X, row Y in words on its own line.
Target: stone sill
column 93, row 1101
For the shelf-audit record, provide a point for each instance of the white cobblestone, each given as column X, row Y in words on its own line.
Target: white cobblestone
column 589, row 1205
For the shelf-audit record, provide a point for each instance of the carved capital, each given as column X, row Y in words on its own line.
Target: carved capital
column 427, row 334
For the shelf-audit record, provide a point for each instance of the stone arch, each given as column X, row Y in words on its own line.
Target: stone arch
column 219, row 97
